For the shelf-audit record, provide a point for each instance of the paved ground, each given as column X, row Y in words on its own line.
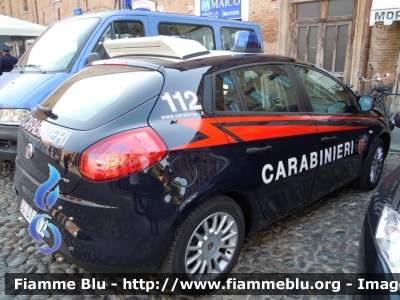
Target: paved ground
column 322, row 237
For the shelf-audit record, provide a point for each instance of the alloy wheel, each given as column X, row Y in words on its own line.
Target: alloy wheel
column 211, row 246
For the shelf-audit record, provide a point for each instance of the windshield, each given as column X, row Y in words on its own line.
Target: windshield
column 56, row 49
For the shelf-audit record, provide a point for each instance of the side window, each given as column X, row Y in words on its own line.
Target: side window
column 228, row 34
column 127, row 30
column 107, row 35
column 326, row 95
column 267, row 88
column 123, row 30
column 203, row 34
column 226, row 95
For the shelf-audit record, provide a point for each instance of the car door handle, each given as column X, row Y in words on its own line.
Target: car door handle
column 258, row 150
column 329, row 139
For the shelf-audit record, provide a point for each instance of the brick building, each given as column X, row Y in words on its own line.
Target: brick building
column 334, row 34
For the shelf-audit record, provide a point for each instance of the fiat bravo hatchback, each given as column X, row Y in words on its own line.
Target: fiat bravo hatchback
column 166, row 155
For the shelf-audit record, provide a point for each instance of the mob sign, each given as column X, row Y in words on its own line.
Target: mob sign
column 223, row 9
column 386, row 16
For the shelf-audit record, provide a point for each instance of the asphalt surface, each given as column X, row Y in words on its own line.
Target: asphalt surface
column 322, row 237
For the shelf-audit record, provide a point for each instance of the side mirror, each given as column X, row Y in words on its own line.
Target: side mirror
column 93, row 57
column 350, row 86
column 365, row 103
column 396, row 119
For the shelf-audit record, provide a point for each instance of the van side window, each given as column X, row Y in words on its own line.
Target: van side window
column 107, row 35
column 203, row 34
column 267, row 88
column 123, row 30
column 228, row 34
column 126, row 30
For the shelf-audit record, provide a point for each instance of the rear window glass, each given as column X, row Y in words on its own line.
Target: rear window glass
column 100, row 94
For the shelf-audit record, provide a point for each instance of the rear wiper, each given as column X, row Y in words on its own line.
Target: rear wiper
column 47, row 111
column 35, row 67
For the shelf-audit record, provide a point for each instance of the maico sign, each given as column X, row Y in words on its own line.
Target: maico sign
column 227, row 9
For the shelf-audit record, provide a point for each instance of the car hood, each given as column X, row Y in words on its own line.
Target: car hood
column 25, row 90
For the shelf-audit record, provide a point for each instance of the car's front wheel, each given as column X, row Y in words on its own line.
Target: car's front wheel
column 208, row 243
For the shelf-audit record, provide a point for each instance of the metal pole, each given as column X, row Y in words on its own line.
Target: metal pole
column 9, row 1
column 37, row 16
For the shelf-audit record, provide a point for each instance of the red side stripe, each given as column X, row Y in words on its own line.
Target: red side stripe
column 322, row 128
column 253, row 133
column 211, row 128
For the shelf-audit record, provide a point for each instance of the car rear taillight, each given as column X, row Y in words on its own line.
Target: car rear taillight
column 122, row 154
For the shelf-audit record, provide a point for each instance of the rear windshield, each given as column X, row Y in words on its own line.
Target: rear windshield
column 100, row 94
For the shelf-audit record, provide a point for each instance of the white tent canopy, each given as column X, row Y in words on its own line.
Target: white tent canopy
column 15, row 27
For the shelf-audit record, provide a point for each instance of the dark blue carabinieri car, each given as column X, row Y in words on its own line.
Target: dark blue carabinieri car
column 168, row 155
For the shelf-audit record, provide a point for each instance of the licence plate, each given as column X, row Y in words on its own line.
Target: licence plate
column 29, row 214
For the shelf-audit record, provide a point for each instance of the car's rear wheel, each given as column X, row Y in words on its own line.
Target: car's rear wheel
column 208, row 243
column 373, row 168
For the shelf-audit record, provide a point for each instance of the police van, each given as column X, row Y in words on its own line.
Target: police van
column 67, row 46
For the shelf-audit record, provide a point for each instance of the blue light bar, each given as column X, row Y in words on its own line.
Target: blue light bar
column 77, row 11
column 246, row 41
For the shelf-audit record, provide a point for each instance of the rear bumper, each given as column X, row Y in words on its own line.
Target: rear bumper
column 8, row 142
column 103, row 238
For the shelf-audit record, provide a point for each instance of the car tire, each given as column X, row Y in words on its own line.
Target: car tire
column 371, row 174
column 207, row 244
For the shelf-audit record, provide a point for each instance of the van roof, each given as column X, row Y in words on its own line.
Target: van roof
column 127, row 12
